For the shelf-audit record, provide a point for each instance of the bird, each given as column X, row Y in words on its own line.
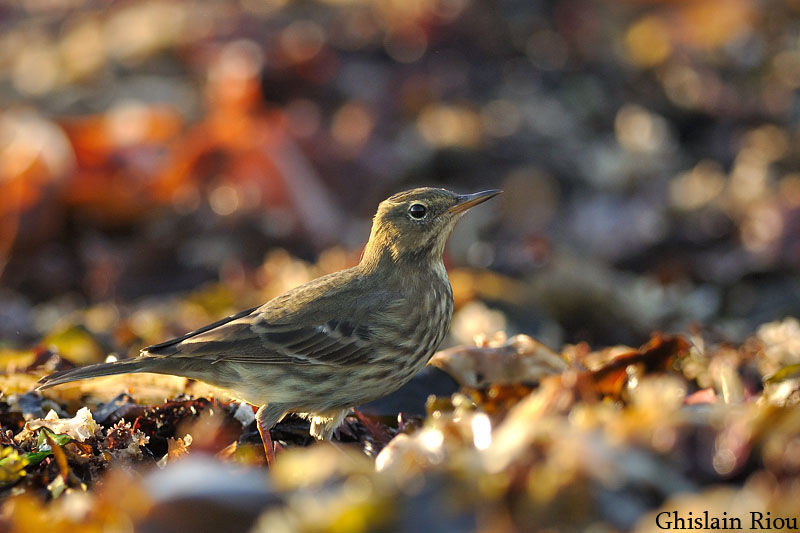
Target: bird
column 336, row 342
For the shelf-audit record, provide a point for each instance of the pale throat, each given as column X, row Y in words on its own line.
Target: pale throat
column 386, row 243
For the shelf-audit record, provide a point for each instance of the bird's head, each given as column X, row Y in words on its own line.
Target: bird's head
column 414, row 225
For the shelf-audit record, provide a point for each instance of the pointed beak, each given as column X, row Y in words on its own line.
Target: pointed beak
column 465, row 201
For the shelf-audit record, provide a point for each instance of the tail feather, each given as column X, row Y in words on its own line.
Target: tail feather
column 93, row 371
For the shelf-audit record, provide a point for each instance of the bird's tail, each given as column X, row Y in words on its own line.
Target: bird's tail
column 93, row 371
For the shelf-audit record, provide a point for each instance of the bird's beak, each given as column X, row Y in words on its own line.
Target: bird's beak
column 465, row 201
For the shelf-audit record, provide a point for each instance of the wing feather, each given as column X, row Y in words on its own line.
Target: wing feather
column 247, row 339
column 287, row 330
column 168, row 347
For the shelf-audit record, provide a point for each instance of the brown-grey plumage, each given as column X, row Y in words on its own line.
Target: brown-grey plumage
column 338, row 341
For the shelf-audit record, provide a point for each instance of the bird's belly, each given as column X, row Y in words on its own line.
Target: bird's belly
column 315, row 388
column 261, row 384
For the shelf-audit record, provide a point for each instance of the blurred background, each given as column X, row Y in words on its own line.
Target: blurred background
column 194, row 158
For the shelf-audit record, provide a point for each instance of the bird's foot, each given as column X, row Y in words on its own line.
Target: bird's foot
column 375, row 428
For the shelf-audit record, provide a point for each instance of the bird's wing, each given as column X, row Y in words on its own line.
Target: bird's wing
column 336, row 342
column 271, row 335
column 247, row 338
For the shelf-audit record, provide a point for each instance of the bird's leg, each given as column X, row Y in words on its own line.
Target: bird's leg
column 376, row 430
column 266, row 417
column 269, row 446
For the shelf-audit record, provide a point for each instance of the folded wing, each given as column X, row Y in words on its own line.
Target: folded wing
column 248, row 338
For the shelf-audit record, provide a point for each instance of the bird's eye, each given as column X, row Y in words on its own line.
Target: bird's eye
column 417, row 211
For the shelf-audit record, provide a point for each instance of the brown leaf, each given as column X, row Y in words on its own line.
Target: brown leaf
column 520, row 359
column 657, row 354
